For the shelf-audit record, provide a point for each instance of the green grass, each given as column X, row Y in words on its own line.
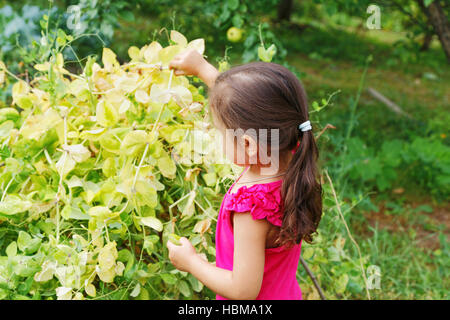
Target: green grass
column 410, row 246
column 407, row 270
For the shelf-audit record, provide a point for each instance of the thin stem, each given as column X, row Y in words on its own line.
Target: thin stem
column 140, row 165
column 65, row 130
column 170, row 80
column 57, row 221
column 12, row 74
column 260, row 35
column 6, row 189
column 328, row 126
column 349, row 233
column 313, row 278
column 106, row 231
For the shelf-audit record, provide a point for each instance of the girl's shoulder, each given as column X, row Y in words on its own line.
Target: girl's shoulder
column 262, row 200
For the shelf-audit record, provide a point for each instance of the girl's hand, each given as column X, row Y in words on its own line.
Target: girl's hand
column 181, row 256
column 191, row 62
column 187, row 63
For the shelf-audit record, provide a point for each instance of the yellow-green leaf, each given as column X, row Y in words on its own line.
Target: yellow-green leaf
column 106, row 114
column 167, row 167
column 152, row 222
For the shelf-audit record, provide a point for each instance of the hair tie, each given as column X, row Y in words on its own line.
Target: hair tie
column 305, row 126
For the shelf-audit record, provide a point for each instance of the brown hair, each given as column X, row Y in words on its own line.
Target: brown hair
column 262, row 95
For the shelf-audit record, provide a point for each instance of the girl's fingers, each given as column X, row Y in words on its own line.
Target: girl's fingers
column 175, row 63
column 184, row 241
column 176, row 67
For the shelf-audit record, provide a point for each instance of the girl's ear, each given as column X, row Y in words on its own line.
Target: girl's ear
column 250, row 146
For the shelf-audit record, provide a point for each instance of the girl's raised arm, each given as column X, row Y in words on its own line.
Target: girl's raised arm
column 192, row 63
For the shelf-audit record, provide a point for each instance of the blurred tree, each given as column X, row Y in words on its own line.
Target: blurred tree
column 421, row 18
column 439, row 20
column 285, row 9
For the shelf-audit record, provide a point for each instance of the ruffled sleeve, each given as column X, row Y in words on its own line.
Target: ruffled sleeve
column 261, row 200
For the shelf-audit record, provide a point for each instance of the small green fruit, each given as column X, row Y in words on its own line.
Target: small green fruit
column 234, row 34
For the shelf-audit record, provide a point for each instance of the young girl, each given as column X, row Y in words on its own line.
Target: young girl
column 263, row 218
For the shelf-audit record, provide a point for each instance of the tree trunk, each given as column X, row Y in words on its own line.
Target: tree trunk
column 426, row 41
column 285, row 10
column 441, row 25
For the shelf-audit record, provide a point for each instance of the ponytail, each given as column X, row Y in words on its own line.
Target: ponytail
column 302, row 193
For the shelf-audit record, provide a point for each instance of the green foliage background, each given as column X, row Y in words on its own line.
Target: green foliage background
column 383, row 167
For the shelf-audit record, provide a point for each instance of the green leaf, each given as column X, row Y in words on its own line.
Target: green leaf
column 107, row 262
column 146, row 193
column 5, row 129
column 109, row 142
column 9, row 114
column 266, row 55
column 102, row 213
column 27, row 244
column 152, row 222
column 333, row 254
column 196, row 285
column 11, row 250
column 109, row 167
column 65, row 212
column 169, row 278
column 73, row 212
column 307, row 253
column 210, row 179
column 184, row 288
column 134, row 142
column 14, row 205
column 124, row 255
column 341, row 283
column 127, row 15
column 237, row 21
column 3, row 294
column 23, row 240
column 88, row 67
column 47, row 272
column 143, row 295
column 233, row 4
column 167, row 167
column 106, row 114
column 136, row 291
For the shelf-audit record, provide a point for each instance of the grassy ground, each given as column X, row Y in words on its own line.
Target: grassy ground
column 407, row 231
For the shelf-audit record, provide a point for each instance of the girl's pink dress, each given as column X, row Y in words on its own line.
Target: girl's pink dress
column 262, row 201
